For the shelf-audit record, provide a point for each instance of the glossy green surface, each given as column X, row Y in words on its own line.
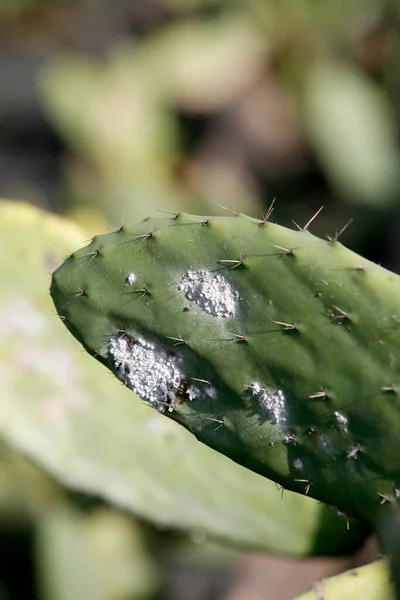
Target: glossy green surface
column 303, row 371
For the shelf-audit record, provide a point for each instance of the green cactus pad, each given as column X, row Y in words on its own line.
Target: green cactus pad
column 274, row 347
column 63, row 410
column 371, row 582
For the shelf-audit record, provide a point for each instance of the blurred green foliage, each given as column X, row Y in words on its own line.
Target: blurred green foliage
column 303, row 63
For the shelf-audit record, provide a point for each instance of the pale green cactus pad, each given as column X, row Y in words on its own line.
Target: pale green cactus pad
column 371, row 582
column 62, row 409
column 276, row 348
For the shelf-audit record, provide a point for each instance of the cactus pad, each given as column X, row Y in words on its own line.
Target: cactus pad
column 371, row 582
column 62, row 409
column 274, row 347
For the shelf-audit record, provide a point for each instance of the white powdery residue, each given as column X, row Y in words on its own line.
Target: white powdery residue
column 193, row 392
column 397, row 493
column 213, row 295
column 211, row 392
column 298, row 464
column 341, row 420
column 131, row 278
column 272, row 402
column 147, row 370
column 325, row 443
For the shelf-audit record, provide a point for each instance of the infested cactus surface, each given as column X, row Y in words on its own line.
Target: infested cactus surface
column 56, row 410
column 272, row 346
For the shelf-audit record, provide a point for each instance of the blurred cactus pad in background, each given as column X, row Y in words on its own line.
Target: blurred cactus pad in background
column 275, row 347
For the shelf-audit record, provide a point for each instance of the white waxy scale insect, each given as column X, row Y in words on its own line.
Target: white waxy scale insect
column 213, row 294
column 193, row 392
column 131, row 278
column 274, row 403
column 298, row 464
column 325, row 443
column 147, row 370
column 153, row 374
column 211, row 392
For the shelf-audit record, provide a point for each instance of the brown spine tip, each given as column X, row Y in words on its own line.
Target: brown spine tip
column 332, row 239
column 178, row 340
column 234, row 212
column 389, row 389
column 285, row 251
column 175, row 215
column 287, row 326
column 308, row 483
column 222, row 422
column 144, row 236
column 307, row 225
column 323, row 394
column 144, row 291
column 279, row 488
column 240, row 337
column 233, row 263
column 267, row 215
column 338, row 314
column 93, row 254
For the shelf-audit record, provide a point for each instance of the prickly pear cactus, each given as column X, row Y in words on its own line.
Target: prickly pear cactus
column 61, row 409
column 278, row 349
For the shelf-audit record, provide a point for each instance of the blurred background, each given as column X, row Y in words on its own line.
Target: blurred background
column 111, row 110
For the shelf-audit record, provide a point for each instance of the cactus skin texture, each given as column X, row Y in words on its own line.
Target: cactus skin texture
column 274, row 347
column 63, row 410
column 371, row 582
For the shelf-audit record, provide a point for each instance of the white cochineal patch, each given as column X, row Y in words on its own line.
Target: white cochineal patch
column 131, row 278
column 147, row 370
column 274, row 403
column 298, row 464
column 193, row 392
column 214, row 295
